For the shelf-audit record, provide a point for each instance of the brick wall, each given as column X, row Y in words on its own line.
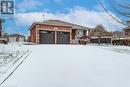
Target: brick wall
column 34, row 33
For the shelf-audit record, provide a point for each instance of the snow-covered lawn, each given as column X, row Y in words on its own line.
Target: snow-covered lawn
column 120, row 49
column 9, row 55
column 73, row 66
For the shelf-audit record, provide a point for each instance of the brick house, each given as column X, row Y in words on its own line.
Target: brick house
column 16, row 38
column 56, row 32
column 127, row 32
column 121, row 38
column 127, row 35
column 118, row 38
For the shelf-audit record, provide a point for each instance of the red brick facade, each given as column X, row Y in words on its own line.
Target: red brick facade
column 34, row 32
column 33, row 35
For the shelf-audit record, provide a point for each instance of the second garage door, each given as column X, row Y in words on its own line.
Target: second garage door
column 63, row 37
column 47, row 37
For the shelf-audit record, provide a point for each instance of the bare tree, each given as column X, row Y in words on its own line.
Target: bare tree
column 99, row 31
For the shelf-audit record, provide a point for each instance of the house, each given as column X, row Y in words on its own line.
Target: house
column 100, row 35
column 16, row 38
column 127, row 32
column 127, row 35
column 56, row 32
column 118, row 38
column 122, row 38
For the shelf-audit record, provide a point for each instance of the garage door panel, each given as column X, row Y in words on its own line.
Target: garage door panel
column 63, row 37
column 47, row 37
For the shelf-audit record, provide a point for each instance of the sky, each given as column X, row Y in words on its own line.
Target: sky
column 87, row 13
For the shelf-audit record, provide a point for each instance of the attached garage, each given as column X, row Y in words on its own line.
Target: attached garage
column 63, row 37
column 51, row 32
column 47, row 37
column 102, row 40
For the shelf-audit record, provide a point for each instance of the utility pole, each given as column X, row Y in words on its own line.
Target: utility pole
column 3, row 39
column 43, row 17
column 0, row 27
column 1, row 21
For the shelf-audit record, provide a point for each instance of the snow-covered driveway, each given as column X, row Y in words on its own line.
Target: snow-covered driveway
column 72, row 66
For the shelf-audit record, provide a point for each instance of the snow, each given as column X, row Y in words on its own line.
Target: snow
column 9, row 55
column 73, row 66
column 120, row 49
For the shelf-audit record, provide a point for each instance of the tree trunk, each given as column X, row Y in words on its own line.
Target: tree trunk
column 99, row 40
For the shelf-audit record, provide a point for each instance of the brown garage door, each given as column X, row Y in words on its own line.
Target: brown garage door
column 63, row 37
column 47, row 37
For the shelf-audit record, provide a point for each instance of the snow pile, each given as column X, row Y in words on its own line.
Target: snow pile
column 9, row 55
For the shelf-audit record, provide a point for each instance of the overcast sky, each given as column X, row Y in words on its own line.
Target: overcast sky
column 88, row 13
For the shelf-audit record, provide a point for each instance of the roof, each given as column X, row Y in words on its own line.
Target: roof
column 100, row 31
column 118, row 34
column 16, row 35
column 127, row 28
column 60, row 23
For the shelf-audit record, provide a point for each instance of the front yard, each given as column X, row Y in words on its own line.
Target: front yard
column 70, row 66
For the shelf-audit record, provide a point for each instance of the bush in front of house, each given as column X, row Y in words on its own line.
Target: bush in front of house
column 82, row 42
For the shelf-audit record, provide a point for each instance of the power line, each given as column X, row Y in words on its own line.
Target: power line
column 126, row 14
column 110, row 14
column 15, row 68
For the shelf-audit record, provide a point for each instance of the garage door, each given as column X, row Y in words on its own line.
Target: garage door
column 96, row 40
column 106, row 40
column 63, row 37
column 47, row 37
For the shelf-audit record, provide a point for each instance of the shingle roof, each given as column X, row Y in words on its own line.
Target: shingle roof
column 16, row 35
column 127, row 28
column 103, row 32
column 118, row 34
column 60, row 23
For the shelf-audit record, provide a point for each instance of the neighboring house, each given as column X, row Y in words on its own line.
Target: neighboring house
column 127, row 32
column 118, row 35
column 100, row 35
column 127, row 35
column 121, row 38
column 16, row 38
column 118, row 38
column 57, row 32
